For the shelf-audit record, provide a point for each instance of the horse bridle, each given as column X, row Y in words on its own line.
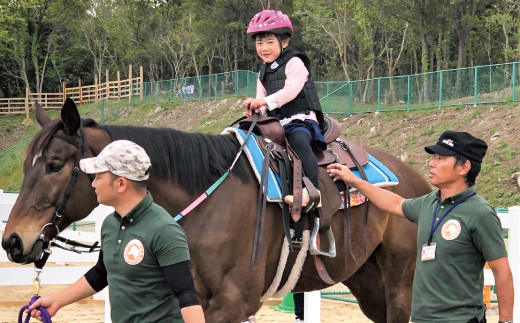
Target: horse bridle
column 47, row 243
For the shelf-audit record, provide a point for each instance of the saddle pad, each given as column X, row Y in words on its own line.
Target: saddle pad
column 256, row 159
column 377, row 173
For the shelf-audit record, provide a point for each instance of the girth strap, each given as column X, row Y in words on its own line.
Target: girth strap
column 347, row 191
column 260, row 208
column 284, row 165
column 322, row 271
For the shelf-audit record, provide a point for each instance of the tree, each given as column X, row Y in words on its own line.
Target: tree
column 36, row 33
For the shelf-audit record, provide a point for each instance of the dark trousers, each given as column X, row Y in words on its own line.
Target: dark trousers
column 300, row 142
column 298, row 305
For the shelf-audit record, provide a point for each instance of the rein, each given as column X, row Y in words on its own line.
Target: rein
column 219, row 181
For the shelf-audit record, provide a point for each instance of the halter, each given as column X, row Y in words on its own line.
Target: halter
column 82, row 152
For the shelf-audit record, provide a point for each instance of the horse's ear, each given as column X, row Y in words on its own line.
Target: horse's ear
column 70, row 117
column 41, row 116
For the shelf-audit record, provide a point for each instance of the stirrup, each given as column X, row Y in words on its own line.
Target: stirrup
column 313, row 249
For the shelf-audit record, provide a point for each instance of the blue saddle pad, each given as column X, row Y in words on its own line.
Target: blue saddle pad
column 377, row 173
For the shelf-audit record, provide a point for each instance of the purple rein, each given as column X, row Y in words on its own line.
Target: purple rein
column 45, row 315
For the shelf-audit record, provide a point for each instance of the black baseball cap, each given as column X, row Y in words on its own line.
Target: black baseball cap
column 452, row 143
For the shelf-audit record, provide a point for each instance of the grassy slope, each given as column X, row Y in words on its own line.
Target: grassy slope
column 403, row 134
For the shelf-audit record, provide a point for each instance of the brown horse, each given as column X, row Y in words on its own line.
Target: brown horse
column 220, row 230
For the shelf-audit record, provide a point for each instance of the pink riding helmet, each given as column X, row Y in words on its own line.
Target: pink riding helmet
column 270, row 20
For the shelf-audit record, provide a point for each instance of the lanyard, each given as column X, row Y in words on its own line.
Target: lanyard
column 435, row 225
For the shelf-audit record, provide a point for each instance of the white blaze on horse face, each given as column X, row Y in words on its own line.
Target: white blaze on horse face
column 36, row 157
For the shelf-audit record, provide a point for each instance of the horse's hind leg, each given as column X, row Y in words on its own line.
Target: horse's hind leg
column 383, row 288
column 367, row 286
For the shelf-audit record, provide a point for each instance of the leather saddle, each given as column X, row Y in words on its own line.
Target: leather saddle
column 339, row 150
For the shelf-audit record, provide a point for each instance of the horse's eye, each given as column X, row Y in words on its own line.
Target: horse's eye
column 53, row 168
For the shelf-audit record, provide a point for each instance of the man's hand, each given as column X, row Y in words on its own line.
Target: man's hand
column 382, row 198
column 341, row 172
column 48, row 302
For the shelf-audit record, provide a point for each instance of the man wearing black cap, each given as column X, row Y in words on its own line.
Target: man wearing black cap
column 458, row 232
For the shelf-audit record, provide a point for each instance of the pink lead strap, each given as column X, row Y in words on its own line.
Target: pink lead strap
column 213, row 187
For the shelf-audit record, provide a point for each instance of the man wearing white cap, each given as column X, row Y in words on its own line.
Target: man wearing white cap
column 143, row 250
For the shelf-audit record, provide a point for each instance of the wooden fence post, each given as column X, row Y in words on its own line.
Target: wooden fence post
column 26, row 103
column 80, row 91
column 96, row 87
column 118, row 85
column 64, row 91
column 130, row 90
column 108, row 86
column 141, row 80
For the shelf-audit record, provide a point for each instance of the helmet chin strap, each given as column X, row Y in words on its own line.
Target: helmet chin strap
column 280, row 42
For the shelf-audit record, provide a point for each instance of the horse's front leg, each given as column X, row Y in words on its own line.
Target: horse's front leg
column 236, row 299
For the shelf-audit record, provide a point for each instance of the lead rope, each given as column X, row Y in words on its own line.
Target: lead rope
column 46, row 318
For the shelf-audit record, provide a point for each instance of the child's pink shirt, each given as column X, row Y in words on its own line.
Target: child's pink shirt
column 296, row 75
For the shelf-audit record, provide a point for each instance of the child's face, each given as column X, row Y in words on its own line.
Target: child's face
column 268, row 48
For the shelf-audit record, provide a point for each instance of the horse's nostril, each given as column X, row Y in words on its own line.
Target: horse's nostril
column 14, row 245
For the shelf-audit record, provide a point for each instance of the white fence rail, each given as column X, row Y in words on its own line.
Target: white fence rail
column 511, row 221
column 54, row 275
column 69, row 274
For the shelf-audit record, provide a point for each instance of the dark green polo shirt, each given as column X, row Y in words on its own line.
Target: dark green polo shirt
column 449, row 288
column 135, row 248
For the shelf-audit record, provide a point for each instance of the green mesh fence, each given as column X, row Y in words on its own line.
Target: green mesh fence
column 465, row 86
column 338, row 292
column 205, row 87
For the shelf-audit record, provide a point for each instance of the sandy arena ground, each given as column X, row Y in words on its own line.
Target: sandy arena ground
column 12, row 298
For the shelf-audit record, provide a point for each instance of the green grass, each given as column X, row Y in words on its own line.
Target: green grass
column 11, row 168
column 494, row 182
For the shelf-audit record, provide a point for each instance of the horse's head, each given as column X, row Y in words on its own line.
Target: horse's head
column 54, row 191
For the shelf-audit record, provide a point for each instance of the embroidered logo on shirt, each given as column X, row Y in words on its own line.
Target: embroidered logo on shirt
column 451, row 229
column 274, row 65
column 134, row 252
column 448, row 142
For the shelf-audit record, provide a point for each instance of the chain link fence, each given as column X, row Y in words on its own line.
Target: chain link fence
column 465, row 86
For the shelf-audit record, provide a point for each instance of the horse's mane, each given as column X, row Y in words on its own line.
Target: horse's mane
column 194, row 159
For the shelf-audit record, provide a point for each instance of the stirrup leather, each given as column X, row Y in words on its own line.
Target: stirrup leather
column 314, row 200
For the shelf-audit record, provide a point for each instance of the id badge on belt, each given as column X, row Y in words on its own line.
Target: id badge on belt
column 428, row 252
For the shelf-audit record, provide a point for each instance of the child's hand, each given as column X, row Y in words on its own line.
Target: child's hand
column 253, row 105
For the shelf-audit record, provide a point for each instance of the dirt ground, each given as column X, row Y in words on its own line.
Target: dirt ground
column 12, row 298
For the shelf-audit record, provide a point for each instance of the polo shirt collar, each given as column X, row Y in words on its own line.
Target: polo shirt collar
column 137, row 212
column 454, row 198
